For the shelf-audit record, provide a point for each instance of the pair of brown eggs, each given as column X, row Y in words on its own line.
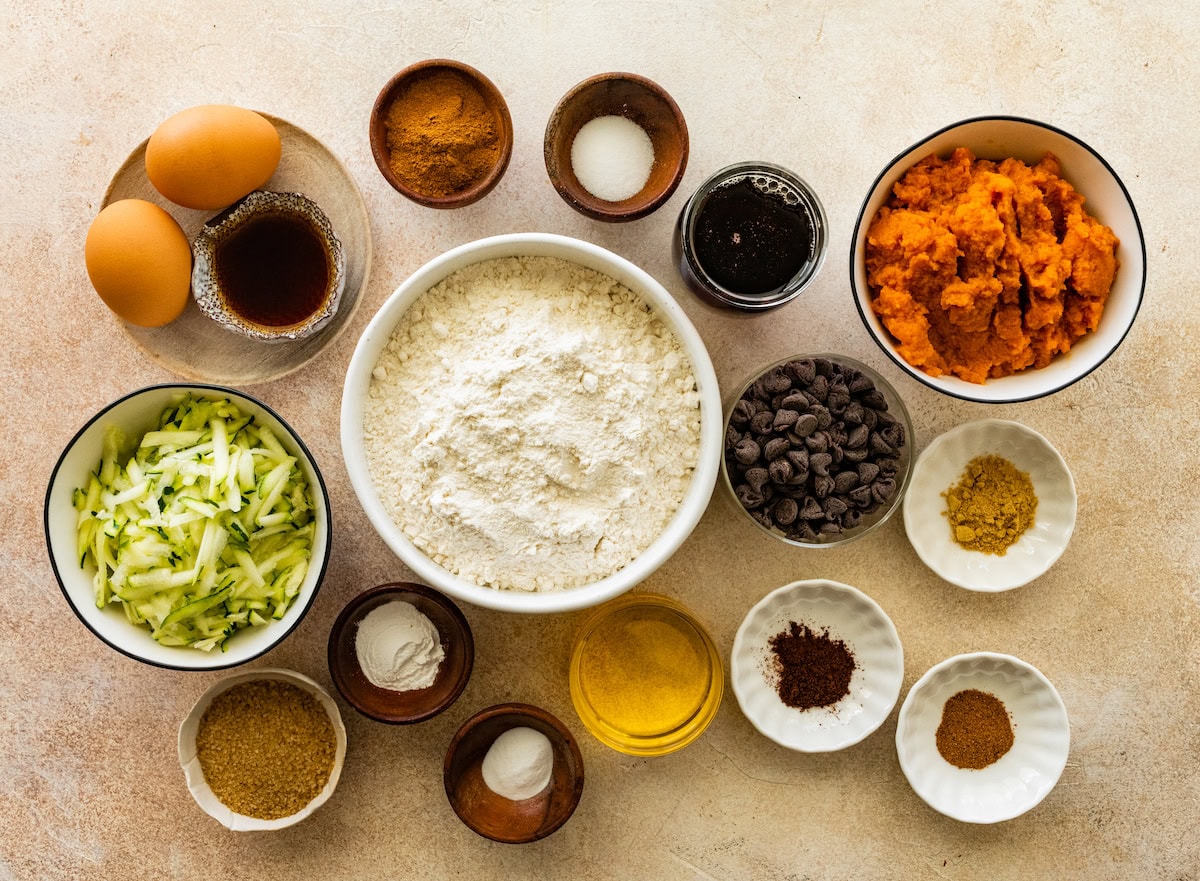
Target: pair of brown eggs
column 204, row 158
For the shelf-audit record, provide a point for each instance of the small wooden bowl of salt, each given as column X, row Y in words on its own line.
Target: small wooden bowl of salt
column 401, row 653
column 513, row 773
column 616, row 147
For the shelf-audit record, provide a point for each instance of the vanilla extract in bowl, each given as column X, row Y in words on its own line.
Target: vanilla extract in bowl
column 274, row 270
column 270, row 268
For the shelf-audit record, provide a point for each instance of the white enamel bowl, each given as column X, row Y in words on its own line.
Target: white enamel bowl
column 194, row 773
column 1022, row 777
column 375, row 338
column 137, row 413
column 999, row 137
column 851, row 616
column 940, row 466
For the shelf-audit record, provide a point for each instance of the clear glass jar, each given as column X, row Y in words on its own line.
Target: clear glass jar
column 779, row 193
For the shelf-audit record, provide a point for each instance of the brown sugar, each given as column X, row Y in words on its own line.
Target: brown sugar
column 266, row 748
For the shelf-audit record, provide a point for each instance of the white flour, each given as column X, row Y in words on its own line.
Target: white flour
column 531, row 424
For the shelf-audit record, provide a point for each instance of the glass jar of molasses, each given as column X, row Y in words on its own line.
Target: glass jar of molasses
column 752, row 237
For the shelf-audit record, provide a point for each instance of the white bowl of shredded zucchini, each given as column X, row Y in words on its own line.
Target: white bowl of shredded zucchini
column 188, row 526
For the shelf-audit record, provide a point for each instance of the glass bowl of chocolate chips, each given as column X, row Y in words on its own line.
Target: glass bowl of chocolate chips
column 818, row 450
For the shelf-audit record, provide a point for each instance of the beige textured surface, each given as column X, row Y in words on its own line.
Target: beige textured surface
column 89, row 785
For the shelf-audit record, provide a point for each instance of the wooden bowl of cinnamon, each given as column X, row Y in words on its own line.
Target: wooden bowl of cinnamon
column 441, row 133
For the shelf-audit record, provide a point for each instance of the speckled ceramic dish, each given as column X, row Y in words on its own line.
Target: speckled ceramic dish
column 1022, row 777
column 208, row 284
column 851, row 616
column 192, row 770
column 941, row 465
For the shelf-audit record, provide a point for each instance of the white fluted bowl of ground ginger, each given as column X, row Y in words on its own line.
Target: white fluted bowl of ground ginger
column 990, row 506
column 532, row 424
column 262, row 749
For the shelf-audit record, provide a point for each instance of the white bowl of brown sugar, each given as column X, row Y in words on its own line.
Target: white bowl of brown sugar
column 991, row 505
column 983, row 737
column 262, row 749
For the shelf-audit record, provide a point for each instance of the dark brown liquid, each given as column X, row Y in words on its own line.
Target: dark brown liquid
column 274, row 270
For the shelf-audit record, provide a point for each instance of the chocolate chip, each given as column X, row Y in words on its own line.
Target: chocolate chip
column 822, row 486
column 835, row 507
column 831, row 529
column 777, row 381
column 844, row 481
column 853, row 414
column 743, row 411
column 824, row 420
column 824, row 366
column 875, row 400
column 780, row 471
column 812, row 510
column 883, row 489
column 747, row 451
column 749, row 498
column 762, row 422
column 803, row 371
column 854, row 455
column 861, row 496
column 867, row 472
column 794, row 401
column 785, row 512
column 879, row 446
column 817, row 442
column 859, row 383
column 805, row 425
column 785, row 419
column 818, row 463
column 798, row 458
column 757, row 478
column 819, row 388
column 775, row 448
column 858, row 437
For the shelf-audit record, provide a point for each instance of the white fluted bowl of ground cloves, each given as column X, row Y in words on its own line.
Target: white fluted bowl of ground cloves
column 817, row 666
column 531, row 423
column 983, row 737
column 262, row 749
column 991, row 505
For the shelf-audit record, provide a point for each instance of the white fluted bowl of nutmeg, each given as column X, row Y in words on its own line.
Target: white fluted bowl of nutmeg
column 817, row 450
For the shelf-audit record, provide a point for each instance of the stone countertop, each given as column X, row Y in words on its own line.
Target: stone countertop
column 89, row 783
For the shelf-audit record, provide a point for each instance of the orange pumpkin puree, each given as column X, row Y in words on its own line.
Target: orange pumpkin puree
column 981, row 269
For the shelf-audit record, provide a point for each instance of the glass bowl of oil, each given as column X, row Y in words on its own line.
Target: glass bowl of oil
column 646, row 678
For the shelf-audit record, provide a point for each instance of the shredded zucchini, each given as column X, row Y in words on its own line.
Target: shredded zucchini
column 206, row 529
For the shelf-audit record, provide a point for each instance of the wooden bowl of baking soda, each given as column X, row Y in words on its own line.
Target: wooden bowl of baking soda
column 616, row 147
column 441, row 133
column 513, row 773
column 401, row 653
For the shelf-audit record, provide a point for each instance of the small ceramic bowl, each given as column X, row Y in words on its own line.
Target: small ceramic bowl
column 396, row 88
column 635, row 98
column 850, row 616
column 941, row 465
column 402, row 707
column 1022, row 777
column 194, row 774
column 494, row 816
column 290, row 320
column 870, row 522
column 135, row 414
column 1000, row 137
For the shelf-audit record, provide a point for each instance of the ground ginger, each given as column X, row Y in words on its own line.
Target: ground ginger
column 991, row 506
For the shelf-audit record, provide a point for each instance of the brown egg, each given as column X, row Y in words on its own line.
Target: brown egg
column 210, row 156
column 139, row 262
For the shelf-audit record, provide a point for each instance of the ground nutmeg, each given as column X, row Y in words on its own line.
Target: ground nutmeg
column 812, row 668
column 266, row 748
column 975, row 730
column 442, row 136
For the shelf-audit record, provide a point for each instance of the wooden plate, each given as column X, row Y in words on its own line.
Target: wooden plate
column 196, row 347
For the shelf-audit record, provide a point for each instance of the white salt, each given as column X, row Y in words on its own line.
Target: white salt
column 612, row 157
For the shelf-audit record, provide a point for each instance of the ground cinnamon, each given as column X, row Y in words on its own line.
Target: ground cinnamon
column 975, row 730
column 442, row 136
column 812, row 668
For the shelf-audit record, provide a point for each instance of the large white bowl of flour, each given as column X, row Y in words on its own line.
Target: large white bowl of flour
column 523, row 452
